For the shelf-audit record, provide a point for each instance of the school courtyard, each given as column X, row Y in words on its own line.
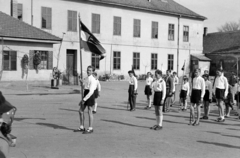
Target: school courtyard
column 46, row 118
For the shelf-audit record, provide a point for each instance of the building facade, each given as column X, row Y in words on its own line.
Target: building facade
column 148, row 35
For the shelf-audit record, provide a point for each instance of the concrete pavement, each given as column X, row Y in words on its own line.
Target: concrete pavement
column 46, row 118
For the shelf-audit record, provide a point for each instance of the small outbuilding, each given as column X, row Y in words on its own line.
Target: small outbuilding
column 25, row 51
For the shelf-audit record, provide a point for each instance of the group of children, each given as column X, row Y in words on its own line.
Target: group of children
column 201, row 91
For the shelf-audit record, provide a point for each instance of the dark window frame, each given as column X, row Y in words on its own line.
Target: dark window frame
column 117, row 26
column 136, row 60
column 96, row 22
column 137, row 28
column 185, row 33
column 72, row 20
column 95, row 61
column 170, row 61
column 154, row 30
column 154, row 61
column 117, row 60
column 171, row 32
column 46, row 22
column 8, row 65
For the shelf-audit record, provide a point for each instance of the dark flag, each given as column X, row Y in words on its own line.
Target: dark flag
column 90, row 43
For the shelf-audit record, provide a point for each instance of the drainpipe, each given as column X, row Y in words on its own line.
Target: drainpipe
column 31, row 12
column 178, row 43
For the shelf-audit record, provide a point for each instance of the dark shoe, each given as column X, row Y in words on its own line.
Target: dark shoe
column 94, row 112
column 79, row 130
column 158, row 128
column 88, row 131
column 153, row 127
column 191, row 123
column 221, row 120
column 204, row 118
column 196, row 124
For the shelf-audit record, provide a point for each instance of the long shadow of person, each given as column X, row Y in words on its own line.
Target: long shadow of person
column 220, row 144
column 54, row 126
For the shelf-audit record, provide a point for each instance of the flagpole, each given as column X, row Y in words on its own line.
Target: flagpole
column 81, row 74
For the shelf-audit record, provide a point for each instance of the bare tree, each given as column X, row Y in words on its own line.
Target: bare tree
column 230, row 26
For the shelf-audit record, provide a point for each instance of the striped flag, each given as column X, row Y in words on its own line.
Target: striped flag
column 90, row 43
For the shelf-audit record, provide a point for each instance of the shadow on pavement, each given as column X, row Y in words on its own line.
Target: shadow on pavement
column 233, row 129
column 104, row 107
column 73, row 92
column 68, row 110
column 220, row 144
column 24, row 118
column 147, row 118
column 225, row 135
column 123, row 123
column 54, row 126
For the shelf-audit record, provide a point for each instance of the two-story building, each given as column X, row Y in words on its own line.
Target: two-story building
column 145, row 34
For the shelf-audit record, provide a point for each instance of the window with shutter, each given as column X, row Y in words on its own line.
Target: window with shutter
column 31, row 54
column 50, row 60
column 10, row 60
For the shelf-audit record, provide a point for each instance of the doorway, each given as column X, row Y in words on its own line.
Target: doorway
column 71, row 67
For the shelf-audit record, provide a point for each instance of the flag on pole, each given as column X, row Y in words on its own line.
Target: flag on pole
column 90, row 43
column 183, row 67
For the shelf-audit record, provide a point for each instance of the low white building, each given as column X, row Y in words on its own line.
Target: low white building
column 17, row 39
column 156, row 34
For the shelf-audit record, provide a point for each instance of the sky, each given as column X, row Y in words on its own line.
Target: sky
column 217, row 12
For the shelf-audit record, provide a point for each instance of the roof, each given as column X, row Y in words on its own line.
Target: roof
column 14, row 28
column 160, row 6
column 201, row 57
column 221, row 41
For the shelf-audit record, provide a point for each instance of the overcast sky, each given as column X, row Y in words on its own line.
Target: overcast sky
column 218, row 12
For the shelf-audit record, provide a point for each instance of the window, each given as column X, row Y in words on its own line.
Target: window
column 185, row 33
column 96, row 23
column 171, row 32
column 117, row 60
column 136, row 61
column 46, row 18
column 154, row 29
column 9, row 60
column 20, row 11
column 154, row 60
column 170, row 61
column 95, row 61
column 116, row 25
column 46, row 59
column 136, row 28
column 72, row 21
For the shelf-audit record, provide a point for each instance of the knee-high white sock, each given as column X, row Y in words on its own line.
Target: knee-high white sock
column 160, row 120
column 95, row 107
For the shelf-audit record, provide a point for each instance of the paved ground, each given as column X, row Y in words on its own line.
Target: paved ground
column 46, row 118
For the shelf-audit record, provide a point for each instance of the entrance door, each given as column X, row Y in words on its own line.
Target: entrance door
column 71, row 66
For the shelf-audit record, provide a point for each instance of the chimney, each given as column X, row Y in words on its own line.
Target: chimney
column 205, row 31
column 14, row 8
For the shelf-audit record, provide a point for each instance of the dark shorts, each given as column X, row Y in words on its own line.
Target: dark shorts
column 196, row 96
column 183, row 94
column 168, row 92
column 148, row 90
column 157, row 99
column 91, row 100
column 206, row 96
column 220, row 93
column 96, row 93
